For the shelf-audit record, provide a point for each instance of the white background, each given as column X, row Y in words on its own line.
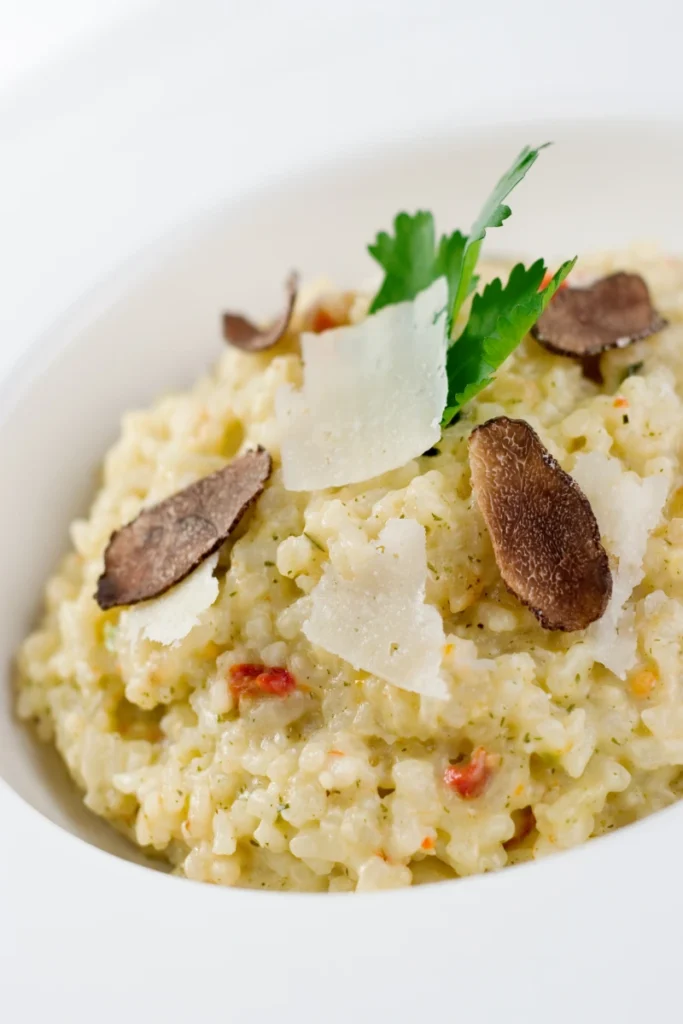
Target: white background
column 33, row 32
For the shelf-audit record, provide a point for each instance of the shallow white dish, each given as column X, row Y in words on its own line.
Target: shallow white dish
column 514, row 942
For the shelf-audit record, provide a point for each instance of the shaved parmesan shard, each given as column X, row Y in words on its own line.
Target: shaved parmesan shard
column 378, row 621
column 372, row 398
column 627, row 508
column 169, row 618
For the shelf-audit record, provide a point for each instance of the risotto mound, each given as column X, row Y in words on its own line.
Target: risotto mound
column 246, row 754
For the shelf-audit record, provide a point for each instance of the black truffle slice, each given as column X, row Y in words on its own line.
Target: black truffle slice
column 545, row 536
column 612, row 313
column 167, row 541
column 245, row 335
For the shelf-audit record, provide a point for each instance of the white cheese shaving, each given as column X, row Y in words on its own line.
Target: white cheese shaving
column 627, row 508
column 169, row 618
column 378, row 621
column 372, row 398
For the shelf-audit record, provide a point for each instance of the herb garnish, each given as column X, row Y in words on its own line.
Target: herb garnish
column 499, row 319
column 411, row 260
column 500, row 316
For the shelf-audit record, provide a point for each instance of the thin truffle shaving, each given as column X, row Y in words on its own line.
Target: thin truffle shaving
column 167, row 541
column 242, row 333
column 545, row 536
column 612, row 313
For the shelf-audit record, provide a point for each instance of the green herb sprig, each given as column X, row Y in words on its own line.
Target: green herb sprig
column 500, row 316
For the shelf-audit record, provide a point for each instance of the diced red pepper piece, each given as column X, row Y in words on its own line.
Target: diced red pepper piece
column 260, row 680
column 322, row 320
column 469, row 779
column 277, row 681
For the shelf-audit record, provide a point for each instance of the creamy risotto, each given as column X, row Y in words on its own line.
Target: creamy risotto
column 224, row 733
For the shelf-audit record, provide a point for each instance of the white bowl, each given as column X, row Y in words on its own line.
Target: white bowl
column 155, row 327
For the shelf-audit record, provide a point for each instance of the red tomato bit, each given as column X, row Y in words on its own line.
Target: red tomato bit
column 260, row 680
column 332, row 311
column 470, row 778
column 322, row 320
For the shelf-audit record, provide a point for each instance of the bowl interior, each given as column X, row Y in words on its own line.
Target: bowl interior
column 156, row 327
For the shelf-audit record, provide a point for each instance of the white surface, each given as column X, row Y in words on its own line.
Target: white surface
column 35, row 31
column 138, row 132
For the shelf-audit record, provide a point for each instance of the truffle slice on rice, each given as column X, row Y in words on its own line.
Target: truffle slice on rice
column 545, row 536
column 613, row 312
column 242, row 333
column 167, row 541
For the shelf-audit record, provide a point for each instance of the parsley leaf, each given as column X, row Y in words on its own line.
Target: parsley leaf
column 408, row 257
column 412, row 261
column 449, row 264
column 501, row 316
column 492, row 215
